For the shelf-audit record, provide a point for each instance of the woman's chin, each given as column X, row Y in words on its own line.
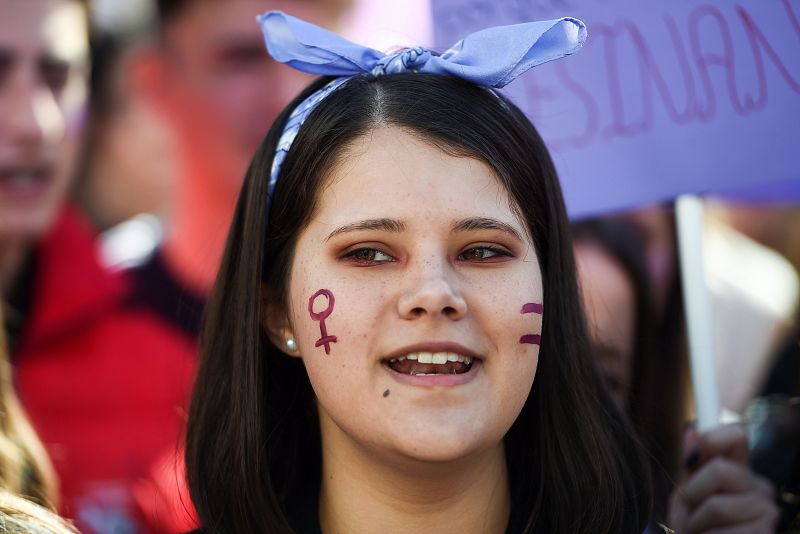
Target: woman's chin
column 443, row 446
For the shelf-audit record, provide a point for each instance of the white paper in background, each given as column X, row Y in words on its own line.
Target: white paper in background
column 754, row 297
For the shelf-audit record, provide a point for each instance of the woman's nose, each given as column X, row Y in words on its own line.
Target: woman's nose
column 33, row 116
column 432, row 293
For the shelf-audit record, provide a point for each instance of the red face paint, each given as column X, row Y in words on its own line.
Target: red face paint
column 324, row 339
column 532, row 307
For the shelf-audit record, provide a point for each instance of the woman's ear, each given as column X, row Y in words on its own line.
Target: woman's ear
column 276, row 324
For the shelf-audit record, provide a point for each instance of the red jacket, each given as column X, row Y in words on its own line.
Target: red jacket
column 105, row 384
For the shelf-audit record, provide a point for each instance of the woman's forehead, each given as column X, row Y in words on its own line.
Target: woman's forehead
column 392, row 173
column 53, row 28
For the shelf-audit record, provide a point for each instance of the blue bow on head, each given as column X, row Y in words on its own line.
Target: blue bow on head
column 493, row 57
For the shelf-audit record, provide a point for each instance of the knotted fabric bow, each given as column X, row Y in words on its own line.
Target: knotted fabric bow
column 492, row 57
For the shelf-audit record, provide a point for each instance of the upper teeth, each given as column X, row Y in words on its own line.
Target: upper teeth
column 434, row 357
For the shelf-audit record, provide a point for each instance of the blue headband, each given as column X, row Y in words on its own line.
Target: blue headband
column 493, row 57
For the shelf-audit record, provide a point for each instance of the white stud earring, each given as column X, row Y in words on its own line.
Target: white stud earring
column 291, row 344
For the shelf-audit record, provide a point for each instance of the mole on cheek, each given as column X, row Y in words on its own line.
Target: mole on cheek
column 386, row 393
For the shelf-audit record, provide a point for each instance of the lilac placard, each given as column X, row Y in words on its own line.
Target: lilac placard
column 665, row 98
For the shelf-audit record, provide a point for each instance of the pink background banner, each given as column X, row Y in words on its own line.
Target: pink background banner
column 665, row 98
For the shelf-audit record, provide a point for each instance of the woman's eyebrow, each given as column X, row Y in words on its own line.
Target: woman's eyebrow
column 387, row 225
column 484, row 223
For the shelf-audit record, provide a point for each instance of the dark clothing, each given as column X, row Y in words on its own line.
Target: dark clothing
column 784, row 377
column 17, row 305
column 157, row 290
column 776, row 451
column 105, row 383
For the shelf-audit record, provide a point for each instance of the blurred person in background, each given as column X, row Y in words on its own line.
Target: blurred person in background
column 703, row 482
column 102, row 381
column 752, row 257
column 43, row 69
column 210, row 76
column 773, row 221
column 114, row 181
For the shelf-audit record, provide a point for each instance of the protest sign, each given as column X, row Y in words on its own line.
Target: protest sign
column 665, row 98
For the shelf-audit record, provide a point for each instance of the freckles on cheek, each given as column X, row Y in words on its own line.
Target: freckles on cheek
column 538, row 309
column 325, row 339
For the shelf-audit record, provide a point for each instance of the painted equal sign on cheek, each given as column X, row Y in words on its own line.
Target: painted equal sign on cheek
column 532, row 307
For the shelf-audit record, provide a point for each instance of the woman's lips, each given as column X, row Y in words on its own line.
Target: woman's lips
column 25, row 184
column 424, row 363
column 433, row 363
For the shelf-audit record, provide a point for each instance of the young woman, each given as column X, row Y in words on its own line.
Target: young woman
column 371, row 345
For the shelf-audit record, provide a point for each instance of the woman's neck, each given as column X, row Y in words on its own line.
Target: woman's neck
column 362, row 493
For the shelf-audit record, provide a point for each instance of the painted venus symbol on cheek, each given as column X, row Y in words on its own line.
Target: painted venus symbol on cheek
column 324, row 339
column 532, row 307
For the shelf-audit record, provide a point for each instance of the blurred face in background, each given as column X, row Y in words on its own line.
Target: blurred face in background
column 220, row 88
column 43, row 82
column 609, row 300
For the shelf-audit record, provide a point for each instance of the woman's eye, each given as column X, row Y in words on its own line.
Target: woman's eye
column 481, row 253
column 54, row 74
column 369, row 255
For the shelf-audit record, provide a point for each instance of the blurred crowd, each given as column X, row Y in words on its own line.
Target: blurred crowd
column 124, row 136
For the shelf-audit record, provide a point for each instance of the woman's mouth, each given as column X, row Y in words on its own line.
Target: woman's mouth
column 25, row 183
column 430, row 363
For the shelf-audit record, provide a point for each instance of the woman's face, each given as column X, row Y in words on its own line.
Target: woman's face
column 415, row 301
column 43, row 56
column 609, row 300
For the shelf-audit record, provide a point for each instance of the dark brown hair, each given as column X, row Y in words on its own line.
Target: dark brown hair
column 656, row 393
column 253, row 445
